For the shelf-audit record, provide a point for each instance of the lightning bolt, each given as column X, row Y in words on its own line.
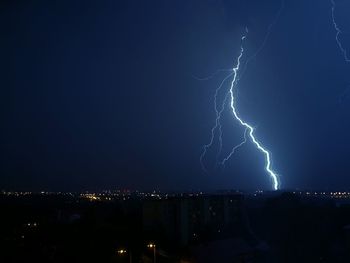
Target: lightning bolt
column 212, row 75
column 217, row 122
column 338, row 33
column 235, row 148
column 248, row 127
column 230, row 94
column 269, row 30
column 267, row 35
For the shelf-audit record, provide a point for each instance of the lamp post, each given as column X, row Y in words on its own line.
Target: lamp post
column 153, row 246
column 123, row 252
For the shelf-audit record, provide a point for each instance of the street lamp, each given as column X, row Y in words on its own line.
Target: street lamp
column 123, row 252
column 151, row 245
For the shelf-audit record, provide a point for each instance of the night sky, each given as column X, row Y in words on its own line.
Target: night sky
column 105, row 94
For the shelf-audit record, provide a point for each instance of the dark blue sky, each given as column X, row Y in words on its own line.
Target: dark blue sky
column 102, row 94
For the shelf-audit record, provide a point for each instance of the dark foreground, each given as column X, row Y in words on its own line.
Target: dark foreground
column 221, row 227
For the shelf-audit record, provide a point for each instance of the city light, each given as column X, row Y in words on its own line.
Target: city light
column 153, row 246
column 121, row 251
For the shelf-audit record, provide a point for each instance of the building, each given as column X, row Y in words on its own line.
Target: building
column 193, row 219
